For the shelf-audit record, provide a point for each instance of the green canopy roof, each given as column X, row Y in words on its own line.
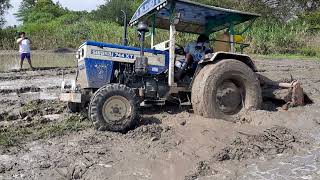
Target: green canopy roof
column 194, row 17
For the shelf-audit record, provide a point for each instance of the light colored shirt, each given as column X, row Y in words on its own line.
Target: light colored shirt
column 197, row 50
column 24, row 45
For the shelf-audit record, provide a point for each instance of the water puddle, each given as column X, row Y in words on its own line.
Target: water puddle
column 305, row 165
column 296, row 167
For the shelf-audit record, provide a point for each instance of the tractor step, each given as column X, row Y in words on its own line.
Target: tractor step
column 151, row 103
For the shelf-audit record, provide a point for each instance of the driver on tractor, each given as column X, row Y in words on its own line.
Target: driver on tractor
column 195, row 51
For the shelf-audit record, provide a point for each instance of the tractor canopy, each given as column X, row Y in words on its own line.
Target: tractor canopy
column 192, row 17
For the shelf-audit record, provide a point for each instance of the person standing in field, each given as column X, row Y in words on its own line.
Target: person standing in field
column 24, row 49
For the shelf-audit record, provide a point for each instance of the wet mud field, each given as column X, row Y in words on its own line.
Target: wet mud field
column 39, row 139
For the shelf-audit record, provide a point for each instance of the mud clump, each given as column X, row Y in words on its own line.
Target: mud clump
column 273, row 141
column 155, row 136
column 153, row 132
column 203, row 169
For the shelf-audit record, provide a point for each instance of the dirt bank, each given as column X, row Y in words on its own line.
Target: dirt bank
column 39, row 139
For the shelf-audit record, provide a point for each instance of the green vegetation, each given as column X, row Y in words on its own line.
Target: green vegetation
column 35, row 125
column 72, row 124
column 4, row 6
column 284, row 28
column 111, row 11
column 12, row 136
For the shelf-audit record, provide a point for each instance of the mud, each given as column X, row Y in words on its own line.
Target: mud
column 20, row 87
column 273, row 141
column 203, row 169
column 39, row 139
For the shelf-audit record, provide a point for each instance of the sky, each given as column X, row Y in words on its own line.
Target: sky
column 77, row 5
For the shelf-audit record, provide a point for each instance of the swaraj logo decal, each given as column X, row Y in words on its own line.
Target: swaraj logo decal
column 112, row 54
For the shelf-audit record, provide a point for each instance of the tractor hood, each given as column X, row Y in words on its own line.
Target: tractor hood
column 194, row 17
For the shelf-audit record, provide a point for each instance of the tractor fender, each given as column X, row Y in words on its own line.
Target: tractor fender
column 218, row 56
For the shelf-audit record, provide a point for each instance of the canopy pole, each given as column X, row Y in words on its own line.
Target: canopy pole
column 232, row 32
column 153, row 31
column 172, row 46
column 172, row 54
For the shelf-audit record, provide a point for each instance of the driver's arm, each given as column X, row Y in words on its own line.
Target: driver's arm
column 209, row 50
column 187, row 49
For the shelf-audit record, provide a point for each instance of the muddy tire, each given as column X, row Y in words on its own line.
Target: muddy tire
column 114, row 108
column 74, row 107
column 225, row 89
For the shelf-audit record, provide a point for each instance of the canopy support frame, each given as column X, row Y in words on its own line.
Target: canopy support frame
column 153, row 31
column 172, row 40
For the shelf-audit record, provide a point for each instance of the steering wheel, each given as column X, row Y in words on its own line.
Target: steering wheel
column 179, row 49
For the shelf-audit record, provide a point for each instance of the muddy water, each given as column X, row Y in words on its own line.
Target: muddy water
column 304, row 165
column 10, row 60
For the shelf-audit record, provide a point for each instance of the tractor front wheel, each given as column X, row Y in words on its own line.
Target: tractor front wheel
column 114, row 108
column 225, row 89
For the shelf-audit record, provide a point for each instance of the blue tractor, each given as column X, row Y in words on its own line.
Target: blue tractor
column 114, row 81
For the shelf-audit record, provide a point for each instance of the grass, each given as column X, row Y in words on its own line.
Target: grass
column 10, row 137
column 30, row 106
column 71, row 124
column 13, row 136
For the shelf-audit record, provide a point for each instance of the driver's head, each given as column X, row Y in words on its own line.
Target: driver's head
column 203, row 39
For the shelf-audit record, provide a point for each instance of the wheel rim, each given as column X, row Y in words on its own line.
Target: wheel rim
column 229, row 98
column 116, row 108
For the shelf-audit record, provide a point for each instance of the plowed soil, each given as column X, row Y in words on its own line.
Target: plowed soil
column 39, row 139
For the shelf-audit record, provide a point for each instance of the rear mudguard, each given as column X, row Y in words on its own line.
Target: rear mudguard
column 218, row 56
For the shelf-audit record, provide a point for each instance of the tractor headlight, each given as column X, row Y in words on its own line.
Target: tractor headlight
column 78, row 55
column 82, row 52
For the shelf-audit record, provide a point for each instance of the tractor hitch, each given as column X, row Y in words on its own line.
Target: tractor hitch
column 70, row 92
column 291, row 94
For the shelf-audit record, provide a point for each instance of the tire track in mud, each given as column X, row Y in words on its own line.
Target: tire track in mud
column 18, row 87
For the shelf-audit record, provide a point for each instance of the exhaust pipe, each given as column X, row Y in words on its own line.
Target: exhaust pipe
column 125, row 26
column 141, row 63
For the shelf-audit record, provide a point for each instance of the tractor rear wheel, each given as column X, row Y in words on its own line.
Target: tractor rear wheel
column 114, row 108
column 225, row 89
